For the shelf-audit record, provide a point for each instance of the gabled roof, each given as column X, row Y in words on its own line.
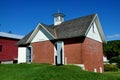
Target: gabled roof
column 72, row 28
column 10, row 35
column 24, row 39
column 68, row 29
column 28, row 38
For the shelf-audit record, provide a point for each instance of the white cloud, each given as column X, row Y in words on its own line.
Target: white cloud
column 114, row 36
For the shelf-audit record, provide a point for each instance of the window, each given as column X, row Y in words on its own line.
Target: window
column 0, row 48
column 57, row 19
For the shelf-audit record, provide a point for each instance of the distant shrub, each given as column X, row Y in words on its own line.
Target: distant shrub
column 115, row 60
column 118, row 64
column 110, row 67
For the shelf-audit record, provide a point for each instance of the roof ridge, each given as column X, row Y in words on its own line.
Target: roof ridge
column 52, row 25
column 72, row 28
column 79, row 18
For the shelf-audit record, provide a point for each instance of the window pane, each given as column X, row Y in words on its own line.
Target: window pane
column 0, row 48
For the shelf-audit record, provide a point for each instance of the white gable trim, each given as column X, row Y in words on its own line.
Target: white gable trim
column 39, row 26
column 93, row 33
column 47, row 31
column 99, row 29
column 33, row 34
column 42, row 35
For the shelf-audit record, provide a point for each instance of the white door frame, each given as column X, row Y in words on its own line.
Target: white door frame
column 55, row 51
column 30, row 53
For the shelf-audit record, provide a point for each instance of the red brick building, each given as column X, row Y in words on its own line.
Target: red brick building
column 78, row 41
column 8, row 50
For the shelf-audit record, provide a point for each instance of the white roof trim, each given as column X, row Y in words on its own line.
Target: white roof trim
column 8, row 35
column 90, row 25
column 36, row 31
column 47, row 31
column 33, row 33
column 99, row 27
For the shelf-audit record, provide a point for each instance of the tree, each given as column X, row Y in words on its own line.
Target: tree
column 112, row 49
column 115, row 60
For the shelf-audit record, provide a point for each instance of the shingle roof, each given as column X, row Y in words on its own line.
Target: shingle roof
column 68, row 29
column 24, row 39
column 73, row 28
column 9, row 35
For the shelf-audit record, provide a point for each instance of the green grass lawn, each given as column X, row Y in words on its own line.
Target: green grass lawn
column 49, row 72
column 114, row 74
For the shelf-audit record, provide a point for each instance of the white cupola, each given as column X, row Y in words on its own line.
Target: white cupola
column 58, row 18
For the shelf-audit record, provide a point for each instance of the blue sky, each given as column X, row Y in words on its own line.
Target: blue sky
column 22, row 16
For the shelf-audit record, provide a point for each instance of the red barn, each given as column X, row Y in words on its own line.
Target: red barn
column 8, row 50
column 78, row 41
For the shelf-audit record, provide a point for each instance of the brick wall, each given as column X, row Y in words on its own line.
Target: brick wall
column 84, row 51
column 72, row 50
column 76, row 51
column 92, row 55
column 43, row 52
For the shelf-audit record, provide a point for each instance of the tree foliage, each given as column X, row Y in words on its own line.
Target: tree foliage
column 110, row 67
column 112, row 49
column 115, row 60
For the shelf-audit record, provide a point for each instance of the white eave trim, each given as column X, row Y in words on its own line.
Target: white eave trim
column 99, row 27
column 100, row 30
column 39, row 26
column 47, row 31
column 9, row 35
column 33, row 34
column 90, row 25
